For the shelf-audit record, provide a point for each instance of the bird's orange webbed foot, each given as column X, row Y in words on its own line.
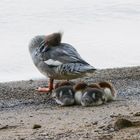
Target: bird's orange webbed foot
column 46, row 89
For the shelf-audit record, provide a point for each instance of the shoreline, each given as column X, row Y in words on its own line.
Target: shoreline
column 21, row 107
column 111, row 70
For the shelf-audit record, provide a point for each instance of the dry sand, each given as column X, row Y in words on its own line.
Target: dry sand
column 27, row 115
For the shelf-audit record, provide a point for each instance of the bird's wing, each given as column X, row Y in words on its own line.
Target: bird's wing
column 62, row 54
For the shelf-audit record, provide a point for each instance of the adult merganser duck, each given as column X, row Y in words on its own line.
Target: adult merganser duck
column 57, row 60
column 64, row 93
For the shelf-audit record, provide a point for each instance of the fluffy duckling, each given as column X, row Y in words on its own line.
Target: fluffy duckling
column 57, row 60
column 109, row 90
column 93, row 97
column 79, row 89
column 64, row 93
column 88, row 96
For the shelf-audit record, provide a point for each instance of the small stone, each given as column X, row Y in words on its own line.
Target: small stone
column 31, row 80
column 111, row 130
column 59, row 118
column 122, row 123
column 4, row 127
column 97, row 130
column 94, row 123
column 86, row 135
column 114, row 115
column 22, row 138
column 137, row 114
column 102, row 126
column 36, row 126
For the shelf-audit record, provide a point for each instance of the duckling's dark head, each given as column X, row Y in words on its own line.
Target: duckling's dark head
column 94, row 85
column 105, row 84
column 80, row 86
column 108, row 85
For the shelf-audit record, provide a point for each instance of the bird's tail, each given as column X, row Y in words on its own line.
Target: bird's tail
column 85, row 70
column 75, row 69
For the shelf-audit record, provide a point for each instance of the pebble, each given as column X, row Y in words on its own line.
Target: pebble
column 122, row 123
column 36, row 126
column 137, row 114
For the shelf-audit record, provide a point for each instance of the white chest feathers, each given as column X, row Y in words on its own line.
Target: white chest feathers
column 109, row 94
column 78, row 96
column 53, row 62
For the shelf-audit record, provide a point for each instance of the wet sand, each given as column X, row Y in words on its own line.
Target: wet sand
column 27, row 115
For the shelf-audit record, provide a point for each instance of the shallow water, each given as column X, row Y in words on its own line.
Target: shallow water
column 105, row 33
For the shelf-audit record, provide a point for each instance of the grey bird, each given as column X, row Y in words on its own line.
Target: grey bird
column 57, row 60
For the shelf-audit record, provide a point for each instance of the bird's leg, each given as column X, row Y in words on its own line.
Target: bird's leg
column 49, row 89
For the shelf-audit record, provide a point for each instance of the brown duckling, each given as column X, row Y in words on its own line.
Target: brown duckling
column 79, row 90
column 109, row 89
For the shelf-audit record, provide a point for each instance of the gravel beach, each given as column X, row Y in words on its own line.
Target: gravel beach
column 26, row 114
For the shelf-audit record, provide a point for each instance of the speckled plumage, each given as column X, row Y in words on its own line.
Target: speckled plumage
column 59, row 61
